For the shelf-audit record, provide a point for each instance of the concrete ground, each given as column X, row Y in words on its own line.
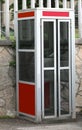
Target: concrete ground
column 21, row 124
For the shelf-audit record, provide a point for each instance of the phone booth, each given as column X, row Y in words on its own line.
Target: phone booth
column 45, row 64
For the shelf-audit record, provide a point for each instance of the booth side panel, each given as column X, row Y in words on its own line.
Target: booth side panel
column 27, row 99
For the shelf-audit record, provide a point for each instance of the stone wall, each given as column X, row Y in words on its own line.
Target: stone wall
column 8, row 85
column 7, row 82
column 78, row 63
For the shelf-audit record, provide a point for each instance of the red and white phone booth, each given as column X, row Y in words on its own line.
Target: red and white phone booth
column 45, row 64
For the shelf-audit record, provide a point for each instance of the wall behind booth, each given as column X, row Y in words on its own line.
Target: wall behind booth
column 8, row 76
column 78, row 63
column 7, row 80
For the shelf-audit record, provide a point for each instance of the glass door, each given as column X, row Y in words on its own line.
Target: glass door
column 56, row 68
column 48, row 68
column 64, row 68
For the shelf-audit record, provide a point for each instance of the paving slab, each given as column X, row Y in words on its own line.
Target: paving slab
column 21, row 124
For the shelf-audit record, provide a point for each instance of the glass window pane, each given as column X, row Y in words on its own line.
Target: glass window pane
column 26, row 66
column 64, row 91
column 64, row 44
column 48, row 35
column 48, row 92
column 26, row 34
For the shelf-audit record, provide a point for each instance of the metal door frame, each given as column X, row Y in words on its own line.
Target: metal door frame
column 48, row 68
column 67, row 67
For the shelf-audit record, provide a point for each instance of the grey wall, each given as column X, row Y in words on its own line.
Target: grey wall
column 7, row 82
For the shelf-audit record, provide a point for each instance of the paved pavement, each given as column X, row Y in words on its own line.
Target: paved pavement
column 21, row 124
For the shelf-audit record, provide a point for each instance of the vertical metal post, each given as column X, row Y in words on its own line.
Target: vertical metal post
column 38, row 66
column 73, row 67
column 49, row 3
column 32, row 3
column 56, row 3
column 15, row 9
column 80, row 17
column 72, row 4
column 65, row 3
column 24, row 4
column 7, row 19
column 15, row 5
column 40, row 3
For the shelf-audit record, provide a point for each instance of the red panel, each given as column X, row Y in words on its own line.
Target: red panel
column 25, row 14
column 27, row 98
column 47, row 95
column 57, row 14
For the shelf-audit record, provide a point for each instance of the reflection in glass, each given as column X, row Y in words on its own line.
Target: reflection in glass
column 48, row 92
column 48, row 44
column 26, row 66
column 64, row 44
column 64, row 91
column 26, row 34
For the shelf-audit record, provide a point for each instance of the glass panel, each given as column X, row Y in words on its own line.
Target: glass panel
column 26, row 34
column 48, row 92
column 64, row 44
column 26, row 66
column 64, row 91
column 48, row 44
